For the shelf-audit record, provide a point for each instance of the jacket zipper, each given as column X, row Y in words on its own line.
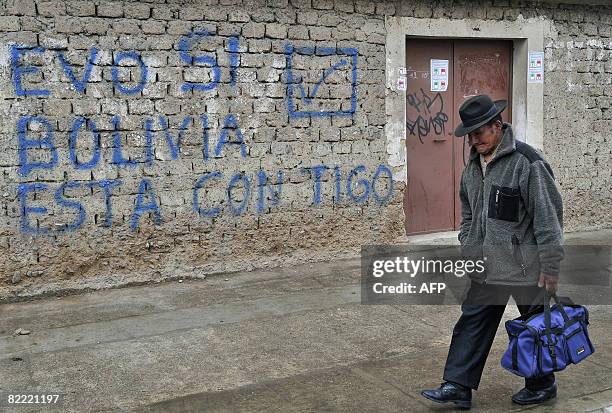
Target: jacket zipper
column 518, row 252
column 497, row 201
column 483, row 215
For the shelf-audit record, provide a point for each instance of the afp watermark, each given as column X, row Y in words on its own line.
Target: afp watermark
column 434, row 274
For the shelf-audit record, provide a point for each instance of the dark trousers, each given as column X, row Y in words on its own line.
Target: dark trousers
column 475, row 330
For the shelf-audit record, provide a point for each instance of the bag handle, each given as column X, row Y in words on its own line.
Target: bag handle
column 560, row 307
column 548, row 327
column 547, row 321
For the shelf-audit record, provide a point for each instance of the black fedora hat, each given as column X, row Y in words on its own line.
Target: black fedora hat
column 476, row 111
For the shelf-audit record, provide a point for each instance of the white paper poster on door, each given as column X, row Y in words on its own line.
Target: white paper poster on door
column 439, row 75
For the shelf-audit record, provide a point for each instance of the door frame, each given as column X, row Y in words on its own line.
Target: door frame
column 527, row 98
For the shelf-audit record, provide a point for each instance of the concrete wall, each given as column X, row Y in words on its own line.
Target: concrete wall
column 143, row 140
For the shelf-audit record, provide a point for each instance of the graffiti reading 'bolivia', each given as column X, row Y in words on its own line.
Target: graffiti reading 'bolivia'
column 264, row 190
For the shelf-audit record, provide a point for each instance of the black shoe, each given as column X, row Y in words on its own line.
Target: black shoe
column 451, row 392
column 526, row 396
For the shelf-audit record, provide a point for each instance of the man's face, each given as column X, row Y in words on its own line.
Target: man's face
column 485, row 138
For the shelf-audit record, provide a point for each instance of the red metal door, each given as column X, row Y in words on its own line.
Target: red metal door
column 435, row 157
column 428, row 198
column 480, row 67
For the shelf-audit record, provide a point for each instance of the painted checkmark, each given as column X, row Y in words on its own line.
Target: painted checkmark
column 308, row 99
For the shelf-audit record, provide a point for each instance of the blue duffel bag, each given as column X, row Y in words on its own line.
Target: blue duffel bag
column 544, row 342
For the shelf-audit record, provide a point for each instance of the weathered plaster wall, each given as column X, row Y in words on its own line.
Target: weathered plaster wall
column 578, row 113
column 282, row 156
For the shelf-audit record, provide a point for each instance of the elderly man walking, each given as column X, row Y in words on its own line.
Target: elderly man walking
column 512, row 214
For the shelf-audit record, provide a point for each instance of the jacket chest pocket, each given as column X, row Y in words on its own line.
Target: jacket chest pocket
column 504, row 203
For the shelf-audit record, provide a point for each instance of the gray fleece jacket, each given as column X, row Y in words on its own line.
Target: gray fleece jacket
column 512, row 216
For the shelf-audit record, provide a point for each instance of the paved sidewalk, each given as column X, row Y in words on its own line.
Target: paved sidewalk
column 287, row 340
